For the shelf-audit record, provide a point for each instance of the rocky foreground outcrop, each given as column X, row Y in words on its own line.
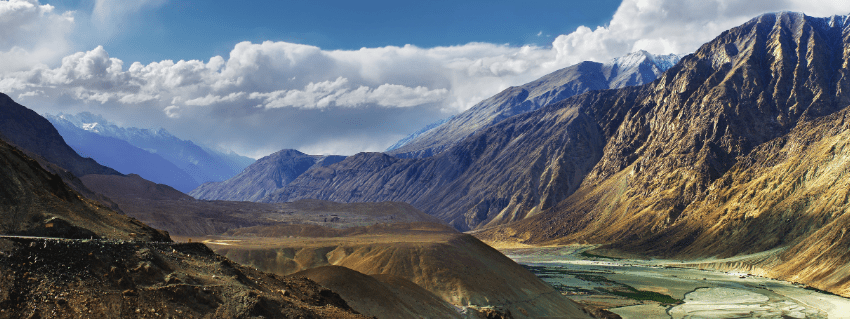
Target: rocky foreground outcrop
column 106, row 279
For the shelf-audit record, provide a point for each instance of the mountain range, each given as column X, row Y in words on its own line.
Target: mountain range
column 738, row 148
column 154, row 154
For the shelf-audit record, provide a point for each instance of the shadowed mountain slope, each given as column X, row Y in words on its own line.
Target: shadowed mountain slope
column 264, row 176
column 32, row 133
column 112, row 266
column 633, row 69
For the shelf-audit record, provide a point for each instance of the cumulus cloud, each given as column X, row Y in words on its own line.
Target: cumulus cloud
column 267, row 96
column 32, row 33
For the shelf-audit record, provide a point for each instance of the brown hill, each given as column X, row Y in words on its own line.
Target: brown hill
column 456, row 267
column 165, row 208
column 381, row 296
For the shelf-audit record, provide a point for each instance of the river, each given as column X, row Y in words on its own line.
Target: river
column 646, row 289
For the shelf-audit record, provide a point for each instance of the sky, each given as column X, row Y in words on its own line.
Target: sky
column 325, row 77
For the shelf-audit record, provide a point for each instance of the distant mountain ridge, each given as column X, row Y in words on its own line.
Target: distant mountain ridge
column 123, row 157
column 179, row 163
column 265, row 176
column 633, row 69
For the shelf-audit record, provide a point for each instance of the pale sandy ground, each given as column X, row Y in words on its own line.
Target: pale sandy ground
column 707, row 294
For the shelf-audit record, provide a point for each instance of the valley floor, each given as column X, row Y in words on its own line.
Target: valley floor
column 635, row 288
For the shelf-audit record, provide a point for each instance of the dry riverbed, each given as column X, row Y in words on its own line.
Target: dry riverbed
column 643, row 289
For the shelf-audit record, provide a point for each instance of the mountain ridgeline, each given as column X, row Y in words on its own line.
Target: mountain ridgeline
column 633, row 69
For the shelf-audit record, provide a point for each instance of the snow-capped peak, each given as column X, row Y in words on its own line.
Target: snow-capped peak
column 634, row 59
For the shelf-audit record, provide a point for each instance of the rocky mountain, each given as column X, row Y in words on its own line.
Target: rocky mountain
column 633, row 69
column 202, row 164
column 265, row 176
column 122, row 156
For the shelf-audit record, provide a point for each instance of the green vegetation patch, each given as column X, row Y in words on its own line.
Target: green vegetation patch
column 617, row 289
column 586, row 254
column 631, row 292
column 820, row 291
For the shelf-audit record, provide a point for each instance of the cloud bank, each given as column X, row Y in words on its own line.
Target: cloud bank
column 272, row 95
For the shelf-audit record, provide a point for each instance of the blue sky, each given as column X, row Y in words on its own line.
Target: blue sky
column 325, row 77
column 199, row 29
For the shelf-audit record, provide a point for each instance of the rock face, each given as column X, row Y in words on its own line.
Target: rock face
column 633, row 69
column 266, row 175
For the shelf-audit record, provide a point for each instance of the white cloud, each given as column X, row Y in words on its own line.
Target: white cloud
column 31, row 34
column 335, row 101
column 214, row 99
